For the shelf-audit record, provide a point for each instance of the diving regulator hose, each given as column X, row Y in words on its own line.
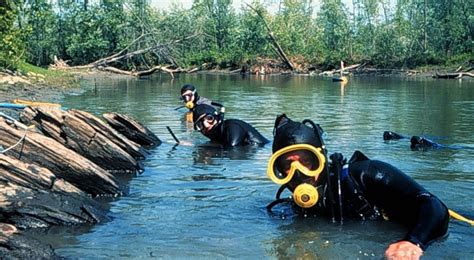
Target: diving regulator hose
column 458, row 216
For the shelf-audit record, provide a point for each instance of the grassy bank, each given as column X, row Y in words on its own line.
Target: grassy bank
column 35, row 83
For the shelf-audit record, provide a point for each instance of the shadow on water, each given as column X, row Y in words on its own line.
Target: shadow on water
column 206, row 153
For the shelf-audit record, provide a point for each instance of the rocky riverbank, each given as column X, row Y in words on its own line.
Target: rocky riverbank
column 55, row 163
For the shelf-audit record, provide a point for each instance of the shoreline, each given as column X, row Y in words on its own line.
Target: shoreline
column 33, row 86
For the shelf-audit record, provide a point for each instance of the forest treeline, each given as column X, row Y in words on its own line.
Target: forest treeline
column 382, row 33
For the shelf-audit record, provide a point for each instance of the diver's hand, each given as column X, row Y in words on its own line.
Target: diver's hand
column 403, row 250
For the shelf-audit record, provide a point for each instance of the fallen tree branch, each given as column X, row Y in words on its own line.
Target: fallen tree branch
column 455, row 75
column 143, row 72
column 103, row 63
column 345, row 70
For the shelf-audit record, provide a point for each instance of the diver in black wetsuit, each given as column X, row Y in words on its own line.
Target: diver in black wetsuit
column 418, row 142
column 389, row 135
column 229, row 132
column 360, row 188
column 191, row 98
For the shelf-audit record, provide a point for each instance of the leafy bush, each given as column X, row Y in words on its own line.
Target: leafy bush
column 11, row 45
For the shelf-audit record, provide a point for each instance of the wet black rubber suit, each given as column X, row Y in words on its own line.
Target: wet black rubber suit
column 393, row 194
column 229, row 132
column 370, row 189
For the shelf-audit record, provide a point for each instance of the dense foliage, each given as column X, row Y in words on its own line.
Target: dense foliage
column 384, row 33
column 11, row 43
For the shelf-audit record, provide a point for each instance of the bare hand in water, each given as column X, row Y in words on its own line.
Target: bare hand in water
column 403, row 250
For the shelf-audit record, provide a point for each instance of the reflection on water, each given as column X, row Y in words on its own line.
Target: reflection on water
column 199, row 200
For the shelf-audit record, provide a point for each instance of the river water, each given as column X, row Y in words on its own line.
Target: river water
column 200, row 201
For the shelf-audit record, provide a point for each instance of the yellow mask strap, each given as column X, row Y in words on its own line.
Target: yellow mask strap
column 296, row 165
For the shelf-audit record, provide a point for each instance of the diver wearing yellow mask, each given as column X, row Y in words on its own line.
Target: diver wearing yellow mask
column 191, row 98
column 361, row 188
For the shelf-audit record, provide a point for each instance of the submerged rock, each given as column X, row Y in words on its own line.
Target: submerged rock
column 14, row 245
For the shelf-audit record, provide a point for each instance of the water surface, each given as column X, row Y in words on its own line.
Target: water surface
column 201, row 201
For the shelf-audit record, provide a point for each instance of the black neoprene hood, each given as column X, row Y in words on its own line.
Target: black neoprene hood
column 202, row 109
column 288, row 132
column 187, row 87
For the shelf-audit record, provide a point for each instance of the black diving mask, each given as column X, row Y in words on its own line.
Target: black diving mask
column 199, row 124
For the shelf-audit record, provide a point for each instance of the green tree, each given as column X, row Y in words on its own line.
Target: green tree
column 336, row 34
column 252, row 36
column 294, row 27
column 217, row 21
column 40, row 22
column 11, row 44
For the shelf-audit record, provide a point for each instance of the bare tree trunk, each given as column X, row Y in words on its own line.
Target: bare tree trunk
column 425, row 34
column 277, row 46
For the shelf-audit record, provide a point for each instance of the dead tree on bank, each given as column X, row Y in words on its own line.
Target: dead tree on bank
column 161, row 50
column 275, row 43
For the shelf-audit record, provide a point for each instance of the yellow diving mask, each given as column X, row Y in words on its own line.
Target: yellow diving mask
column 281, row 167
column 307, row 160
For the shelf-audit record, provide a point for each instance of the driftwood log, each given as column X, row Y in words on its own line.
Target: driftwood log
column 342, row 70
column 32, row 196
column 73, row 129
column 132, row 129
column 14, row 245
column 453, row 75
column 132, row 148
column 143, row 72
column 64, row 163
column 162, row 50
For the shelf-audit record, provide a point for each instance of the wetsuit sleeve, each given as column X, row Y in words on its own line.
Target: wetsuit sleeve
column 216, row 104
column 203, row 100
column 432, row 221
column 402, row 199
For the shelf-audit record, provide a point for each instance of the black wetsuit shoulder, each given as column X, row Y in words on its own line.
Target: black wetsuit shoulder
column 401, row 199
column 206, row 101
column 235, row 132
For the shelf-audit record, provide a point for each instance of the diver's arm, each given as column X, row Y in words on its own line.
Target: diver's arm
column 216, row 104
column 403, row 250
column 432, row 221
column 404, row 200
